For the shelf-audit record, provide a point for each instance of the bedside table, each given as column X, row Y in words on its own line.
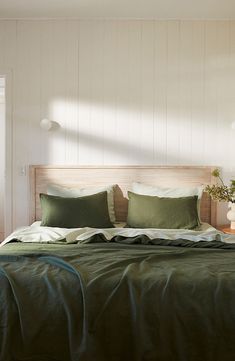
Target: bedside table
column 226, row 229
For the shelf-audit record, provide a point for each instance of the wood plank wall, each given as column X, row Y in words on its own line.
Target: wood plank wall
column 123, row 92
column 2, row 154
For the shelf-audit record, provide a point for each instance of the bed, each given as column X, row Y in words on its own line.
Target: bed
column 122, row 293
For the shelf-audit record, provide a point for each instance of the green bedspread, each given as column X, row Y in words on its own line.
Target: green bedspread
column 99, row 301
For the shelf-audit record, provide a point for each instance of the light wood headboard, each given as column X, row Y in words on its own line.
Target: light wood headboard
column 123, row 176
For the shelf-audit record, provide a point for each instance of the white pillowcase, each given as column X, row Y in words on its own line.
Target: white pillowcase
column 56, row 190
column 149, row 190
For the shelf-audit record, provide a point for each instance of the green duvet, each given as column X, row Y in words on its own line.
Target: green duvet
column 126, row 300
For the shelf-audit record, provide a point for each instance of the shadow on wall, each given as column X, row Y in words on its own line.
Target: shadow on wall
column 140, row 153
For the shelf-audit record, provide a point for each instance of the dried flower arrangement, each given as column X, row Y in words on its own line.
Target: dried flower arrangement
column 221, row 192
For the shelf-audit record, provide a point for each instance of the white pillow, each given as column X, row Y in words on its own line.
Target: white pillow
column 149, row 190
column 55, row 190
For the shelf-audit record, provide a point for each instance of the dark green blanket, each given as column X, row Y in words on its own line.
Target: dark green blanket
column 99, row 301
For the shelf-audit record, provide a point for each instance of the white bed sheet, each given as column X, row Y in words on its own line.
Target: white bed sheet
column 39, row 234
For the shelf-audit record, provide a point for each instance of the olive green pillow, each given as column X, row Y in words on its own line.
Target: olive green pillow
column 155, row 212
column 88, row 211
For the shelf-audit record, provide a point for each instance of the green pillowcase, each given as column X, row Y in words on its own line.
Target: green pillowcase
column 88, row 211
column 155, row 212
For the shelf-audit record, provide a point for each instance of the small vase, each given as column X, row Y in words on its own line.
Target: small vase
column 231, row 215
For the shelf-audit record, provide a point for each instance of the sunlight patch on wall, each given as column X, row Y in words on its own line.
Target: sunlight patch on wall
column 103, row 135
column 96, row 133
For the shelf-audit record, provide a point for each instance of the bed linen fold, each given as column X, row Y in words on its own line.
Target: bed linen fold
column 128, row 298
column 38, row 234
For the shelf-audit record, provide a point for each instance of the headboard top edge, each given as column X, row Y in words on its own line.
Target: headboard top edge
column 41, row 175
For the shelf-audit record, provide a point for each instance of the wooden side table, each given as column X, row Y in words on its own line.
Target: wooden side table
column 226, row 229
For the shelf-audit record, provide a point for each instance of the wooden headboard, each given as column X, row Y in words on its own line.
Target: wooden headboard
column 123, row 176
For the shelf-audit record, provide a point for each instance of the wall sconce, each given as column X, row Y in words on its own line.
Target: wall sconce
column 46, row 124
column 233, row 125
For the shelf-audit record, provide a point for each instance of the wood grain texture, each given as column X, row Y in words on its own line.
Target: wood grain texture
column 123, row 177
column 226, row 229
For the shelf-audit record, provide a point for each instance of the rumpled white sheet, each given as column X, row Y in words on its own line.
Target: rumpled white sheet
column 205, row 233
column 36, row 233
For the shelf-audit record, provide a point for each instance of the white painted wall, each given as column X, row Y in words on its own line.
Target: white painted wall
column 2, row 154
column 124, row 92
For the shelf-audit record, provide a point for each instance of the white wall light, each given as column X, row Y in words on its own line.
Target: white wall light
column 233, row 125
column 46, row 124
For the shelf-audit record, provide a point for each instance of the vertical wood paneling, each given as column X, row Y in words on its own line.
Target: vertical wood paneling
column 231, row 98
column 173, row 94
column 2, row 31
column 211, row 93
column 57, row 142
column 7, row 64
column 224, row 107
column 135, row 92
column 123, row 92
column 34, row 82
column 47, row 83
column 30, row 116
column 84, row 92
column 123, row 131
column 7, row 36
column 21, row 123
column 147, row 111
column 71, row 121
column 2, row 154
column 223, row 94
column 97, row 94
column 110, row 64
column 185, row 92
column 160, row 99
column 197, row 91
